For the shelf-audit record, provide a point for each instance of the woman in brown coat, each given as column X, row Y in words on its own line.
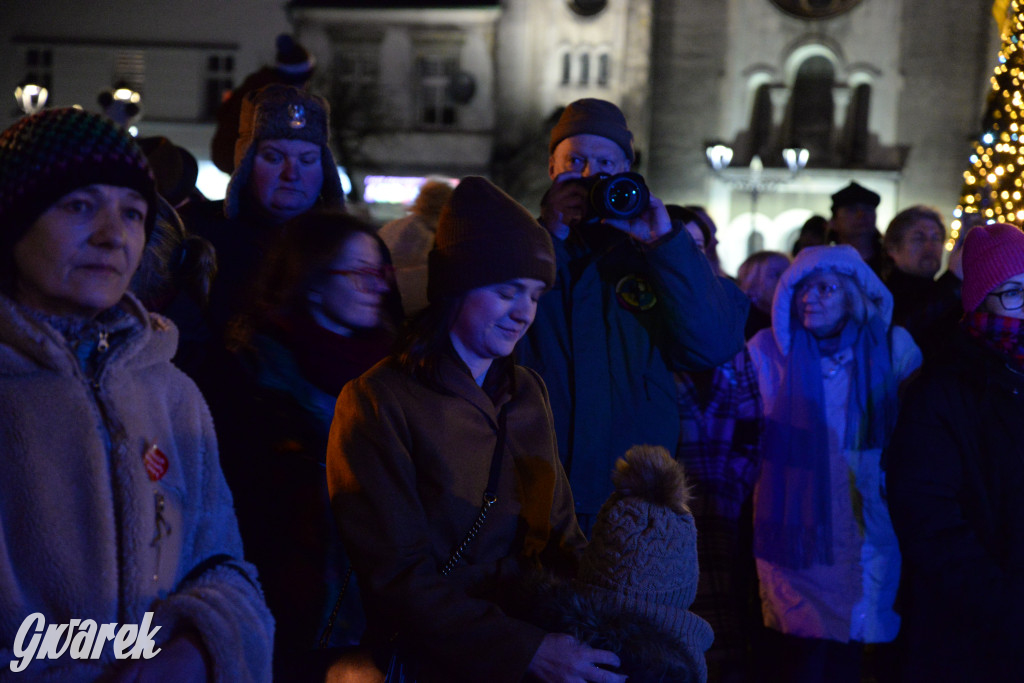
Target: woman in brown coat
column 422, row 439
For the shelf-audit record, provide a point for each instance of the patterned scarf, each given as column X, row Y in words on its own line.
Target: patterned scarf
column 998, row 333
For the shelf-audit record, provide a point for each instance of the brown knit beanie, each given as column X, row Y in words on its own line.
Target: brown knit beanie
column 643, row 555
column 591, row 116
column 56, row 151
column 485, row 237
column 282, row 112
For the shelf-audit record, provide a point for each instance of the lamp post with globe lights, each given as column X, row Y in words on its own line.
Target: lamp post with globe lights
column 755, row 182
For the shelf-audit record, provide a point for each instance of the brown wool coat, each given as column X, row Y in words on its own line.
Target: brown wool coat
column 407, row 464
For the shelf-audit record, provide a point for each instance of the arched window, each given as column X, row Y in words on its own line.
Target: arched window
column 761, row 121
column 566, row 68
column 812, row 107
column 585, row 68
column 859, row 108
column 604, row 69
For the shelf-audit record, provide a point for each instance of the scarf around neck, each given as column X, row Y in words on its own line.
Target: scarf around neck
column 793, row 507
column 998, row 333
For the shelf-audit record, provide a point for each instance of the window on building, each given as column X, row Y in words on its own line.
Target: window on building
column 39, row 67
column 436, row 106
column 220, row 73
column 354, row 93
column 858, row 122
column 603, row 70
column 130, row 69
column 812, row 108
column 587, row 8
column 585, row 69
column 761, row 121
column 566, row 69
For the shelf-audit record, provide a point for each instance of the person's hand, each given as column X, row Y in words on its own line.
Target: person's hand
column 649, row 226
column 564, row 204
column 563, row 659
column 183, row 658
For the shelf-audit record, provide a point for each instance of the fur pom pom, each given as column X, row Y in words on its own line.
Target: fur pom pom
column 649, row 472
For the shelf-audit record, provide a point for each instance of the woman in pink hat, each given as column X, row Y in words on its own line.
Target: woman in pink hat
column 955, row 480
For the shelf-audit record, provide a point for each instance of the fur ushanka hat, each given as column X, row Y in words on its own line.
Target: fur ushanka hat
column 282, row 112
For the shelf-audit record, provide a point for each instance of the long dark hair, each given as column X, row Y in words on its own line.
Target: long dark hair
column 425, row 338
column 297, row 260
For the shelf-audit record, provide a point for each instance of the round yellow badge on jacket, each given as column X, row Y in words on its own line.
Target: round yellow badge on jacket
column 635, row 293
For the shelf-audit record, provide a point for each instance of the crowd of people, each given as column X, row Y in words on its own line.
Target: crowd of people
column 490, row 442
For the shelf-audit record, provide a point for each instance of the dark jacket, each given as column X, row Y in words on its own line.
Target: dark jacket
column 928, row 309
column 619, row 319
column 955, row 469
column 407, row 464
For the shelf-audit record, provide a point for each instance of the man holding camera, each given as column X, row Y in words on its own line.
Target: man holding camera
column 633, row 300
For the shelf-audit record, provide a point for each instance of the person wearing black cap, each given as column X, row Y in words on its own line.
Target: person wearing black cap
column 634, row 300
column 853, row 223
column 113, row 507
column 419, row 440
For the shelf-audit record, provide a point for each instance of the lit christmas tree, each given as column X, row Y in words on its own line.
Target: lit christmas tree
column 994, row 184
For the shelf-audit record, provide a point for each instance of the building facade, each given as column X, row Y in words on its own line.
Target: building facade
column 885, row 92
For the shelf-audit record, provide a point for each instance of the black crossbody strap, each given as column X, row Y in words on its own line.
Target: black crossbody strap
column 489, row 499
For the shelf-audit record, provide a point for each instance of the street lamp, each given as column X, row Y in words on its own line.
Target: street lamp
column 31, row 97
column 122, row 104
column 720, row 156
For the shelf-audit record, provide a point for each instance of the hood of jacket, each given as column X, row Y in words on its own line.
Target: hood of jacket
column 840, row 258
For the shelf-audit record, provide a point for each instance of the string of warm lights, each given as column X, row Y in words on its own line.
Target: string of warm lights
column 993, row 185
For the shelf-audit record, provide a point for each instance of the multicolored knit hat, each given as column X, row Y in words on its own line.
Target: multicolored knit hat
column 643, row 555
column 47, row 155
column 282, row 112
column 992, row 254
column 591, row 116
column 485, row 237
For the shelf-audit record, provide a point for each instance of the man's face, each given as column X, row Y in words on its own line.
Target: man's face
column 286, row 177
column 853, row 221
column 919, row 252
column 587, row 155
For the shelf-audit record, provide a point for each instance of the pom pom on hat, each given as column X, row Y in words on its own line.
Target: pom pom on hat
column 485, row 237
column 293, row 61
column 643, row 555
column 591, row 116
column 992, row 254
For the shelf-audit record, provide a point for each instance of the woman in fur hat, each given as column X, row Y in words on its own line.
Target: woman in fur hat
column 955, row 473
column 826, row 554
column 443, row 470
column 113, row 508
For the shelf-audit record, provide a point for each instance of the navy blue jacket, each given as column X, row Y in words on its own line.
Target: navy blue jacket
column 619, row 319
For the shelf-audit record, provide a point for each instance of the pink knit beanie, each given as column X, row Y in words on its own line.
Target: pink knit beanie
column 992, row 254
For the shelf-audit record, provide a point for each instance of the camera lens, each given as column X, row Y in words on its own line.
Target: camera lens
column 623, row 196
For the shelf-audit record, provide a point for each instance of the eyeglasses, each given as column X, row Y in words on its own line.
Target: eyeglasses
column 823, row 290
column 367, row 279
column 1011, row 299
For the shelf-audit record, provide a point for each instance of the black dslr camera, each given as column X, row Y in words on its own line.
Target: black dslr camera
column 623, row 195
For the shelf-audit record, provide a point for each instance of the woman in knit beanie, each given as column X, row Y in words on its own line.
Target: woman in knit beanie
column 110, row 487
column 442, row 465
column 955, row 472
